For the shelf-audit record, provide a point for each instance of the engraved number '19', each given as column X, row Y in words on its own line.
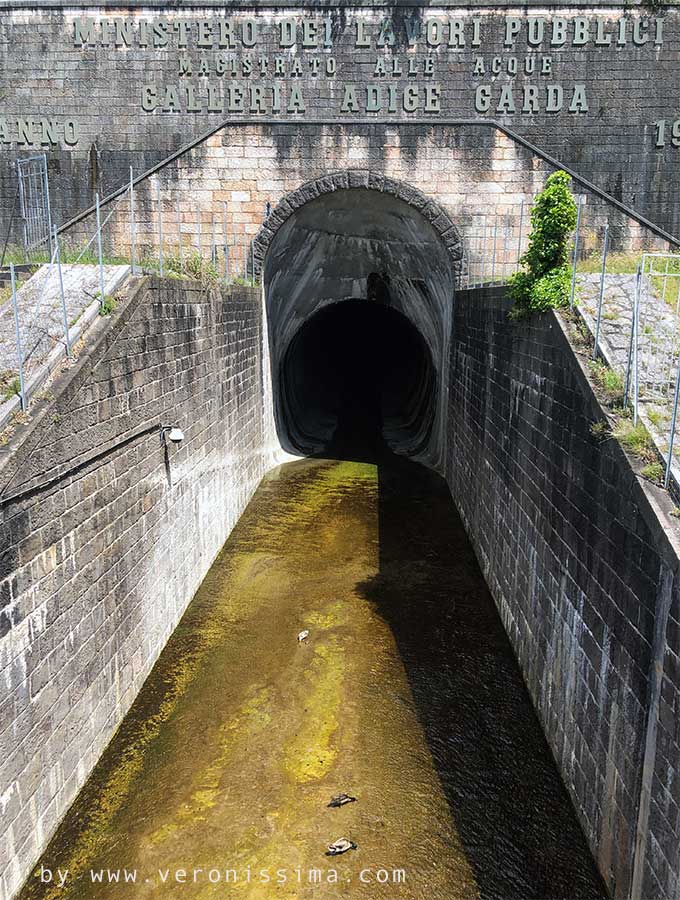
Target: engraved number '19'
column 667, row 132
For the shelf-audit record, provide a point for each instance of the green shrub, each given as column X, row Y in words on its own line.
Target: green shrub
column 519, row 287
column 544, row 282
column 191, row 265
column 551, row 290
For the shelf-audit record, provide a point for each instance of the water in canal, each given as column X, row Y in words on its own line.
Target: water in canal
column 406, row 696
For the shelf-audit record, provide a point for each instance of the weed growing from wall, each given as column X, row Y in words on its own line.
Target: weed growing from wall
column 545, row 278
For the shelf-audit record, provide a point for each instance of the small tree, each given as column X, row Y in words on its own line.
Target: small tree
column 543, row 282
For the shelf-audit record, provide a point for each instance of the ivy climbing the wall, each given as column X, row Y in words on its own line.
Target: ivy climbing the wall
column 544, row 280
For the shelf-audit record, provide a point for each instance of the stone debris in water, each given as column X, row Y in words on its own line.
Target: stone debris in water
column 341, row 799
column 340, row 846
column 302, row 637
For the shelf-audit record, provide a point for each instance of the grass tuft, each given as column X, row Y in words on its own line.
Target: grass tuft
column 636, row 439
column 608, row 381
column 653, row 472
column 657, row 417
column 601, row 430
column 107, row 305
column 10, row 386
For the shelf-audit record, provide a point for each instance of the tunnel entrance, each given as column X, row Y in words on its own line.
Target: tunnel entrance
column 359, row 291
column 357, row 378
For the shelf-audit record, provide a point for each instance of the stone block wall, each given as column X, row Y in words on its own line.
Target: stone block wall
column 583, row 564
column 660, row 876
column 97, row 85
column 217, row 193
column 100, row 553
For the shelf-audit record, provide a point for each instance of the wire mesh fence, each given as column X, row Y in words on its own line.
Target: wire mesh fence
column 493, row 247
column 163, row 232
column 630, row 301
column 43, row 318
column 625, row 282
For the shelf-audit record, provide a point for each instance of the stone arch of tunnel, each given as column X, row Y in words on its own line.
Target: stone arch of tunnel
column 359, row 287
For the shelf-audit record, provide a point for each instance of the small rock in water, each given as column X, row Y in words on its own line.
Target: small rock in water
column 302, row 637
column 341, row 799
column 340, row 846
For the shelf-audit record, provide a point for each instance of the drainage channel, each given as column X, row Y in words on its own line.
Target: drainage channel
column 405, row 695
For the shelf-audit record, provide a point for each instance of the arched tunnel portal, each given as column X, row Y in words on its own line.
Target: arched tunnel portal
column 359, row 289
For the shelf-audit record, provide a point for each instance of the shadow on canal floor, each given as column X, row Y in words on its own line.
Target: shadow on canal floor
column 512, row 812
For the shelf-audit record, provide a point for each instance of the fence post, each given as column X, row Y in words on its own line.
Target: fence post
column 226, row 244
column 200, row 249
column 519, row 237
column 180, row 252
column 577, row 236
column 133, row 261
column 160, row 228
column 99, row 251
column 46, row 188
column 504, row 258
column 252, row 260
column 61, row 291
column 20, row 354
column 493, row 257
column 636, row 341
column 605, row 248
column 671, row 438
column 626, row 386
column 483, row 254
column 213, row 245
column 636, row 374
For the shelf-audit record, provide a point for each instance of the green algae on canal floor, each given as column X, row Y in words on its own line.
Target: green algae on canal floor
column 406, row 695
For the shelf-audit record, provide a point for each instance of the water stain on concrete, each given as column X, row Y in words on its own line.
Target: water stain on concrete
column 406, row 696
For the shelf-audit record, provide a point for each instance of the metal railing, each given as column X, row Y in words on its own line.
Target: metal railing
column 628, row 297
column 173, row 236
column 181, row 243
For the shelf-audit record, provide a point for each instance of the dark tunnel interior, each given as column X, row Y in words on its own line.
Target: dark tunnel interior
column 359, row 295
column 357, row 379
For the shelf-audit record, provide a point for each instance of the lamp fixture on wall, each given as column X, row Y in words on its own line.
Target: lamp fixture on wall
column 171, row 433
column 175, row 435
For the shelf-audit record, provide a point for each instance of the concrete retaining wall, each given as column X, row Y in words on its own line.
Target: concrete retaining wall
column 584, row 575
column 100, row 554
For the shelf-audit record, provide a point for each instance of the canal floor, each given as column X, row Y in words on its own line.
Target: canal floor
column 406, row 695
